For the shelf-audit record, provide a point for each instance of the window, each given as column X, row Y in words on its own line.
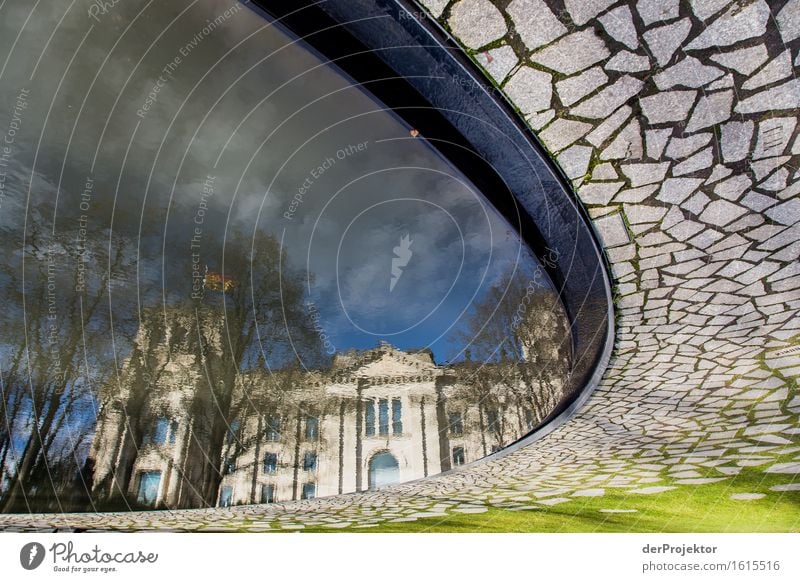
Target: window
column 456, row 423
column 397, row 416
column 369, row 418
column 309, row 491
column 383, row 417
column 158, row 434
column 149, row 482
column 229, row 466
column 173, row 432
column 312, row 428
column 310, row 462
column 268, row 494
column 274, row 428
column 493, row 421
column 271, row 463
column 226, row 496
column 528, row 418
column 458, row 456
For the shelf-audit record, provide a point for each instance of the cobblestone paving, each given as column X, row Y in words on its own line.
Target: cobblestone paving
column 677, row 123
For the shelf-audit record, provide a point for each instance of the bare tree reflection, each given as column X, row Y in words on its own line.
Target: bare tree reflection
column 51, row 373
column 186, row 379
column 518, row 337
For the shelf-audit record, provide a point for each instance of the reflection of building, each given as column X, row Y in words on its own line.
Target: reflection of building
column 377, row 417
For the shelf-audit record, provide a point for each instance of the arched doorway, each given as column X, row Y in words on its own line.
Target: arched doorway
column 383, row 471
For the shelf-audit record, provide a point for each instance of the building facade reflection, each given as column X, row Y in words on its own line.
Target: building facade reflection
column 375, row 418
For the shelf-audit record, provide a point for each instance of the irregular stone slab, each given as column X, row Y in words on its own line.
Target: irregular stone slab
column 609, row 99
column 710, row 110
column 699, row 161
column 758, row 202
column 685, row 229
column 689, row 72
column 576, row 88
column 604, row 172
column 778, row 68
column 788, row 20
column 589, row 493
column 762, row 168
column 684, row 474
column 718, row 173
column 535, row 23
column 639, row 213
column 744, row 61
column 618, row 23
column 435, row 7
column 735, row 140
column 676, row 190
column 530, row 90
column 612, row 230
column 784, row 468
column 667, row 106
column 680, row 147
column 498, row 62
column 476, row 22
column 651, row 11
column 776, row 181
column 747, row 496
column 665, row 40
column 733, row 187
column 773, row 136
column 553, row 501
column 603, row 131
column 721, row 212
column 573, row 53
column 599, row 192
column 704, row 9
column 582, row 11
column 725, row 82
column 635, row 195
column 656, row 140
column 538, row 120
column 736, row 24
column 575, row 161
column 787, row 487
column 627, row 145
column 647, row 173
column 563, row 132
column 628, row 62
column 759, row 429
column 651, row 490
column 787, row 213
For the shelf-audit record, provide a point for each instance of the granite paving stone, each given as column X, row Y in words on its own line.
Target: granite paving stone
column 737, row 23
column 618, row 23
column 572, row 53
column 476, row 22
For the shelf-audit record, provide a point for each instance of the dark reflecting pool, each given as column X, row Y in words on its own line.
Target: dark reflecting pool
column 231, row 275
